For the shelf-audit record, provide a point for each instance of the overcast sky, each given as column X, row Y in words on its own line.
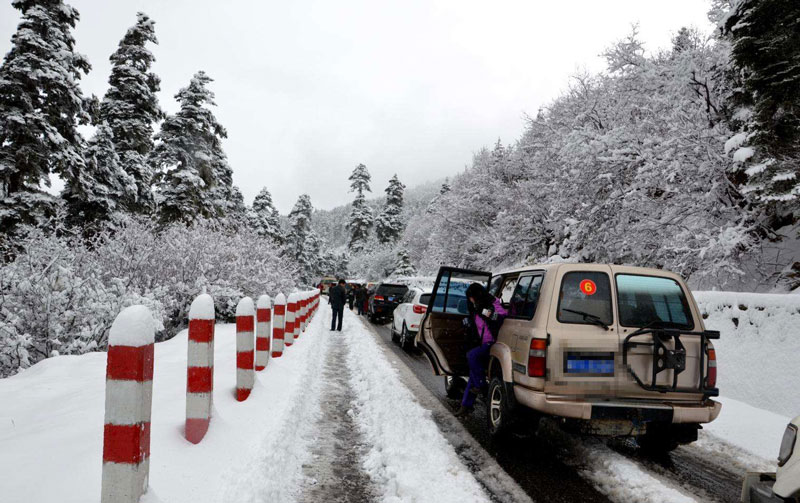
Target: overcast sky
column 308, row 89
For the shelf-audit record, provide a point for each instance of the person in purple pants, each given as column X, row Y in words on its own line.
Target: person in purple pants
column 486, row 314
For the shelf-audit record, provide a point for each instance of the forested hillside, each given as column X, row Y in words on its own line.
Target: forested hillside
column 659, row 161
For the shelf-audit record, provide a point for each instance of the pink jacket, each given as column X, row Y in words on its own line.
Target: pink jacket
column 482, row 324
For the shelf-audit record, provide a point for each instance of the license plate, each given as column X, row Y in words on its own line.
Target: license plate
column 391, row 299
column 589, row 364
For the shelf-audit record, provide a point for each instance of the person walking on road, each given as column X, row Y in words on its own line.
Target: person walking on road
column 486, row 315
column 361, row 298
column 337, row 298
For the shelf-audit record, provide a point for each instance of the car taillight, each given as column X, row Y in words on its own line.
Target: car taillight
column 378, row 297
column 420, row 309
column 537, row 358
column 711, row 378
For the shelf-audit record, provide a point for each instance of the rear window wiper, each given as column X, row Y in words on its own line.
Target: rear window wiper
column 594, row 320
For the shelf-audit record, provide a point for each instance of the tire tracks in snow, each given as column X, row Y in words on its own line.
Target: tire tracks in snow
column 498, row 485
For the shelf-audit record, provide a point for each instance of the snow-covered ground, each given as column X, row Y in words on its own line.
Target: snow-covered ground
column 282, row 444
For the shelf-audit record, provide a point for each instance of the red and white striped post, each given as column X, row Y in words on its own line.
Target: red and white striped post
column 278, row 327
column 303, row 308
column 263, row 328
column 291, row 315
column 245, row 321
column 200, row 368
column 129, row 399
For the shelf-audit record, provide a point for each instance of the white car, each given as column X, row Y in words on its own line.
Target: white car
column 408, row 316
column 783, row 486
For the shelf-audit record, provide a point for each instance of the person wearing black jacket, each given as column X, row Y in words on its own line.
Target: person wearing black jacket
column 337, row 298
column 361, row 298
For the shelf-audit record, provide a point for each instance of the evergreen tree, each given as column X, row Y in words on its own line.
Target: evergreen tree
column 265, row 218
column 765, row 37
column 130, row 107
column 195, row 178
column 360, row 216
column 302, row 244
column 92, row 191
column 404, row 266
column 389, row 225
column 41, row 106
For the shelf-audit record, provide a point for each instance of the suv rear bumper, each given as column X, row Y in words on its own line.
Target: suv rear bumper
column 581, row 409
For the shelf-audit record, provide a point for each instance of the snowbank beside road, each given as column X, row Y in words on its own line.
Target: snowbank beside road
column 408, row 457
column 51, row 427
column 758, row 350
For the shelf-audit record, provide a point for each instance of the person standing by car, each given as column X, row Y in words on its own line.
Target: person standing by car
column 337, row 298
column 351, row 296
column 486, row 314
column 361, row 298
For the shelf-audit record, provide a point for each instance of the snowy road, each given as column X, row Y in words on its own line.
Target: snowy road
column 554, row 466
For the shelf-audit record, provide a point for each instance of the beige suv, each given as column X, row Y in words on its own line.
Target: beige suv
column 608, row 350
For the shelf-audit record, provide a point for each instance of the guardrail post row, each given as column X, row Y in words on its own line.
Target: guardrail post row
column 278, row 325
column 263, row 329
column 291, row 316
column 245, row 321
column 200, row 368
column 303, row 311
column 129, row 399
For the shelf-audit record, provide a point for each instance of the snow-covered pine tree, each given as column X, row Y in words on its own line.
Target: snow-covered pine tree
column 302, row 245
column 765, row 37
column 93, row 191
column 130, row 107
column 41, row 106
column 265, row 218
column 389, row 225
column 194, row 178
column 404, row 266
column 361, row 218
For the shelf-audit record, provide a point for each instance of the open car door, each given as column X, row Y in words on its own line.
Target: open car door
column 443, row 337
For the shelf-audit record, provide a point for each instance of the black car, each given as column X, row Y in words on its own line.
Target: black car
column 386, row 298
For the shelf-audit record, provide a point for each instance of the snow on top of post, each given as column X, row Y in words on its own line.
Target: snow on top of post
column 280, row 299
column 202, row 308
column 134, row 326
column 264, row 302
column 245, row 307
column 292, row 297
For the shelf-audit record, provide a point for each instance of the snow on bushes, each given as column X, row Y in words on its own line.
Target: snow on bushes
column 61, row 293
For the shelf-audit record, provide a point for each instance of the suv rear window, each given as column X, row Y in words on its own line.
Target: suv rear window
column 645, row 299
column 424, row 299
column 585, row 292
column 394, row 290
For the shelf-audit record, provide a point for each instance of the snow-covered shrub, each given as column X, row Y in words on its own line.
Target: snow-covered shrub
column 60, row 294
column 628, row 166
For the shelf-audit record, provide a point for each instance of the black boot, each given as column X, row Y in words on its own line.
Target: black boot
column 463, row 411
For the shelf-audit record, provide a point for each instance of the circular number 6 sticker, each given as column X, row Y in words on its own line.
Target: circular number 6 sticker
column 588, row 287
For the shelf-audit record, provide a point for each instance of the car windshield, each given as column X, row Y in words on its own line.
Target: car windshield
column 652, row 300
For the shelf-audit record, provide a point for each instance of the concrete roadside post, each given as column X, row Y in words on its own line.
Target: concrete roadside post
column 278, row 325
column 200, row 368
column 245, row 321
column 263, row 330
column 291, row 315
column 129, row 399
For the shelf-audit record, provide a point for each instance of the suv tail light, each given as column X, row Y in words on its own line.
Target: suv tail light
column 537, row 358
column 711, row 378
column 420, row 309
column 378, row 297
